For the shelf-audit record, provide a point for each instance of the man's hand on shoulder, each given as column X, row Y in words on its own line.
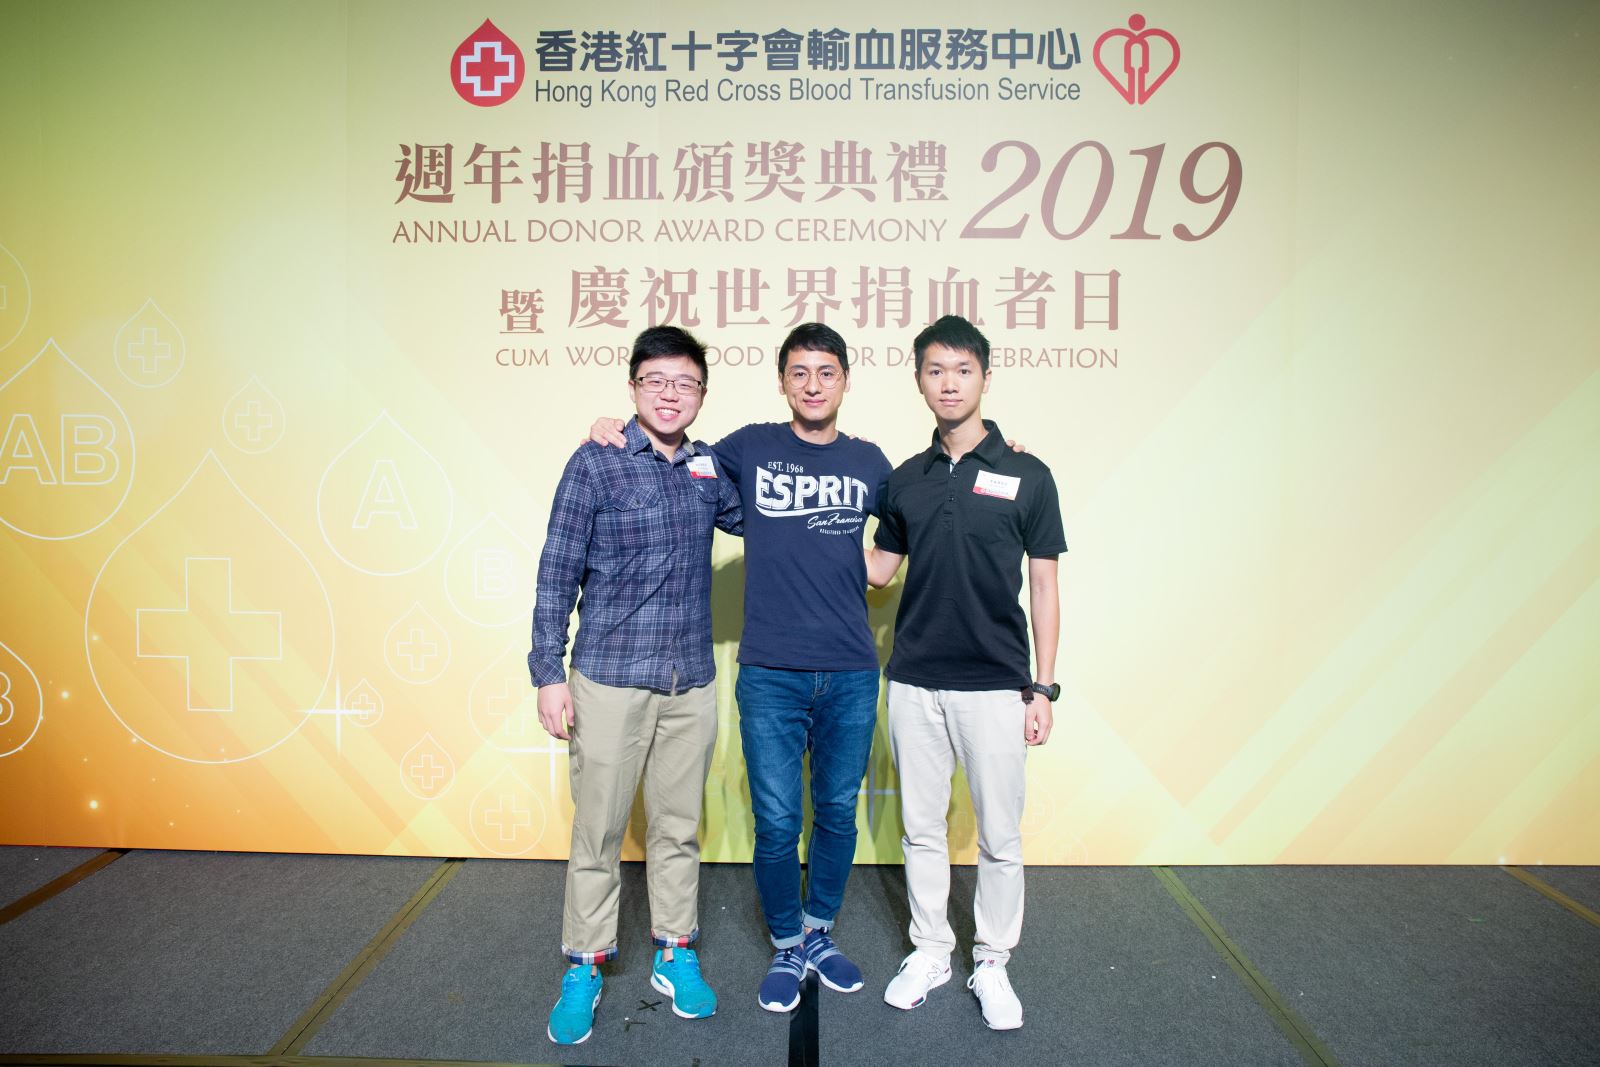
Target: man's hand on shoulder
column 555, row 710
column 1011, row 444
column 1037, row 720
column 606, row 431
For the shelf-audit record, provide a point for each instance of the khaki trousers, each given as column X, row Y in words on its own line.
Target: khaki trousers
column 619, row 734
column 929, row 730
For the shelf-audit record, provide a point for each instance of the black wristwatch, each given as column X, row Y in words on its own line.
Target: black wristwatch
column 1051, row 692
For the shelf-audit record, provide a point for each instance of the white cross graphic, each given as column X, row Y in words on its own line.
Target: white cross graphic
column 550, row 751
column 508, row 705
column 149, row 351
column 364, row 708
column 520, row 717
column 253, row 421
column 427, row 768
column 508, row 822
column 499, row 60
column 417, row 650
column 339, row 712
column 207, row 633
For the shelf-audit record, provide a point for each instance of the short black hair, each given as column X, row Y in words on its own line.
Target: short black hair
column 814, row 337
column 956, row 333
column 664, row 342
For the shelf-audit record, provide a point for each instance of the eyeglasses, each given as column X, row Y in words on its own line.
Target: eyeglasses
column 827, row 377
column 657, row 383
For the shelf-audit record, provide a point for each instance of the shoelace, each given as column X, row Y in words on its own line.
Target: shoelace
column 684, row 957
column 932, row 968
column 821, row 948
column 992, row 975
column 789, row 960
column 575, row 985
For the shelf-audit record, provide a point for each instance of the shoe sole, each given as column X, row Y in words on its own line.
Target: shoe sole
column 780, row 1009
column 661, row 985
column 836, row 988
column 920, row 1001
column 587, row 1034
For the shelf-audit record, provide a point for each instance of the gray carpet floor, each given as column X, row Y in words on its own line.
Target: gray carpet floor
column 1109, row 971
column 220, row 954
column 22, row 870
column 1418, row 965
column 1580, row 883
column 190, row 952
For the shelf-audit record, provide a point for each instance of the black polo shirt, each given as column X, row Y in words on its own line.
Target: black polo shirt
column 965, row 529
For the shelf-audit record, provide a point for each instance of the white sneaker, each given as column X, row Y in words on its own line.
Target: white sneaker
column 1001, row 1008
column 919, row 974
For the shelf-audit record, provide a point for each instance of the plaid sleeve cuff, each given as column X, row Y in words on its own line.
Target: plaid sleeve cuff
column 546, row 670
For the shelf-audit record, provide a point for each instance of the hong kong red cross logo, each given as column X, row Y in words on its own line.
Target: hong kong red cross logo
column 487, row 67
column 1130, row 73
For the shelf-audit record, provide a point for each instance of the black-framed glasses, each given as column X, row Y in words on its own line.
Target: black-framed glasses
column 657, row 383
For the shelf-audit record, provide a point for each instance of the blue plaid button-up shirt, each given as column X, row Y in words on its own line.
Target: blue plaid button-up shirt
column 631, row 530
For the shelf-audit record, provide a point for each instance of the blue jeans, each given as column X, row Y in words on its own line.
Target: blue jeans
column 783, row 715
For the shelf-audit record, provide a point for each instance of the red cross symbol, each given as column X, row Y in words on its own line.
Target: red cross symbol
column 487, row 67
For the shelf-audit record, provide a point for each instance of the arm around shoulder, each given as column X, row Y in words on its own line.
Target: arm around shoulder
column 608, row 431
column 882, row 565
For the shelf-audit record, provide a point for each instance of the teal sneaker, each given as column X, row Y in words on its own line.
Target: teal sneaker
column 572, row 1019
column 679, row 978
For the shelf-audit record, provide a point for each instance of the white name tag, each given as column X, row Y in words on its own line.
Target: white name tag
column 702, row 467
column 992, row 484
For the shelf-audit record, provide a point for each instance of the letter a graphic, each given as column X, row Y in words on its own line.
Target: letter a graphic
column 385, row 495
column 23, row 450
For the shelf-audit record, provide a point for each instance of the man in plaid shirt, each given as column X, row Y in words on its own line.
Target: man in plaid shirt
column 630, row 529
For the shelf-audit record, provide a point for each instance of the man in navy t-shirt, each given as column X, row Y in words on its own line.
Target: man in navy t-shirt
column 808, row 666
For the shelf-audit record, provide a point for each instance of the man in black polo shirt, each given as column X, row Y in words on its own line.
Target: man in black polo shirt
column 966, row 511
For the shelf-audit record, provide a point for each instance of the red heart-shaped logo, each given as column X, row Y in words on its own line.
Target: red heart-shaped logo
column 1138, row 59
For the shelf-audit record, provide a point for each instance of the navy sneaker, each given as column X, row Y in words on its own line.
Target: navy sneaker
column 780, row 989
column 572, row 1019
column 831, row 965
column 680, row 979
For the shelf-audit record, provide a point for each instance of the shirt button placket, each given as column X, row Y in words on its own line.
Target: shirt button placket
column 669, row 486
column 950, row 504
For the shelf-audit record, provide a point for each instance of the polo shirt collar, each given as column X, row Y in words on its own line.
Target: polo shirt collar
column 991, row 449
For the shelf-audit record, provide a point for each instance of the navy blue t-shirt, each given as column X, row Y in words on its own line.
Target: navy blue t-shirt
column 805, row 509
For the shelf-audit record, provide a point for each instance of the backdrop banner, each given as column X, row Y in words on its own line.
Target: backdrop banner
column 303, row 307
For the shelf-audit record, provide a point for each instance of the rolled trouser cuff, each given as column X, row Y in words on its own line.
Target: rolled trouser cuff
column 605, row 955
column 674, row 941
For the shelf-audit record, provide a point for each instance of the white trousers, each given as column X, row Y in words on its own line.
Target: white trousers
column 929, row 731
